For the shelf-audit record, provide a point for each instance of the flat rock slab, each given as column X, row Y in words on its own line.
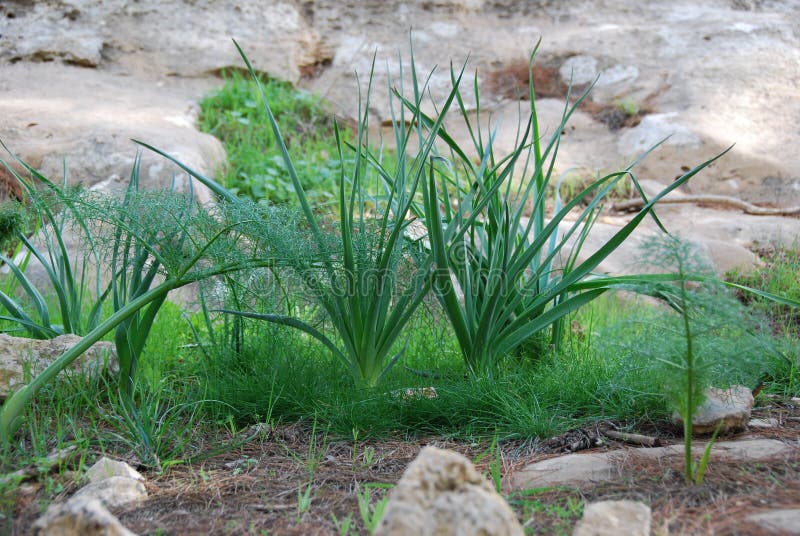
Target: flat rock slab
column 604, row 466
column 785, row 521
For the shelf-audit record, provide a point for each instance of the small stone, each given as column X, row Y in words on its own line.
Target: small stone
column 618, row 74
column 106, row 468
column 579, row 70
column 441, row 493
column 785, row 521
column 611, row 518
column 115, row 491
column 729, row 408
column 763, row 423
column 795, row 402
column 80, row 516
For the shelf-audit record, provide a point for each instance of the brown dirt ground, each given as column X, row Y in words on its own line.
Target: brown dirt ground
column 253, row 489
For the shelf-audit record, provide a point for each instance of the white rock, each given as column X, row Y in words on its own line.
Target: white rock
column 795, row 402
column 618, row 74
column 614, row 518
column 106, row 468
column 729, row 408
column 442, row 494
column 786, row 521
column 18, row 353
column 653, row 129
column 114, row 491
column 80, row 516
column 579, row 70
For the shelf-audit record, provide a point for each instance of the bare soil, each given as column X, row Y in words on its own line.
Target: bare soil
column 253, row 488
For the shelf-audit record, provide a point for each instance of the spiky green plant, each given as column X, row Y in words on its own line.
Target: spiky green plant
column 361, row 275
column 157, row 242
column 78, row 305
column 502, row 277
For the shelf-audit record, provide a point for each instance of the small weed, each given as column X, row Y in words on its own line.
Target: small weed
column 344, row 526
column 371, row 510
column 304, row 498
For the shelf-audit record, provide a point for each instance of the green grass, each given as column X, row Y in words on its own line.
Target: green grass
column 289, row 376
column 780, row 274
column 255, row 164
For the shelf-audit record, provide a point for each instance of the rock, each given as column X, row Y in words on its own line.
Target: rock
column 80, row 516
column 612, row 518
column 728, row 408
column 17, row 354
column 115, row 491
column 589, row 467
column 101, row 113
column 795, row 402
column 653, row 129
column 441, row 493
column 578, row 70
column 763, row 423
column 106, row 468
column 605, row 466
column 785, row 521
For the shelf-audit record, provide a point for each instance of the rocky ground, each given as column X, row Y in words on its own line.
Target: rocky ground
column 253, row 488
column 79, row 78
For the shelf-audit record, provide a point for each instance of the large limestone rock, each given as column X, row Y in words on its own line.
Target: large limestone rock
column 19, row 355
column 115, row 491
column 85, row 120
column 82, row 516
column 442, row 494
column 727, row 408
column 612, row 518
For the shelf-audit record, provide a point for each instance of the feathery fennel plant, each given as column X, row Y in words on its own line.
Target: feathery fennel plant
column 156, row 242
column 362, row 275
column 705, row 337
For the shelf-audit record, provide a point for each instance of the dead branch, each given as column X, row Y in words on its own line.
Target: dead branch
column 747, row 208
column 636, row 439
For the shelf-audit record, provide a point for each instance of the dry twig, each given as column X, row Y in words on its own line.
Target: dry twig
column 747, row 208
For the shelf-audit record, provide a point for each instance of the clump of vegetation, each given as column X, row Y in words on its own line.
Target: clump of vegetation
column 12, row 222
column 256, row 167
column 706, row 338
column 433, row 295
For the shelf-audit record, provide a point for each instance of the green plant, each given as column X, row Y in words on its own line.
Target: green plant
column 52, row 209
column 255, row 164
column 371, row 514
column 186, row 244
column 344, row 526
column 304, row 498
column 628, row 106
column 364, row 281
column 504, row 279
column 495, row 455
column 690, row 356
